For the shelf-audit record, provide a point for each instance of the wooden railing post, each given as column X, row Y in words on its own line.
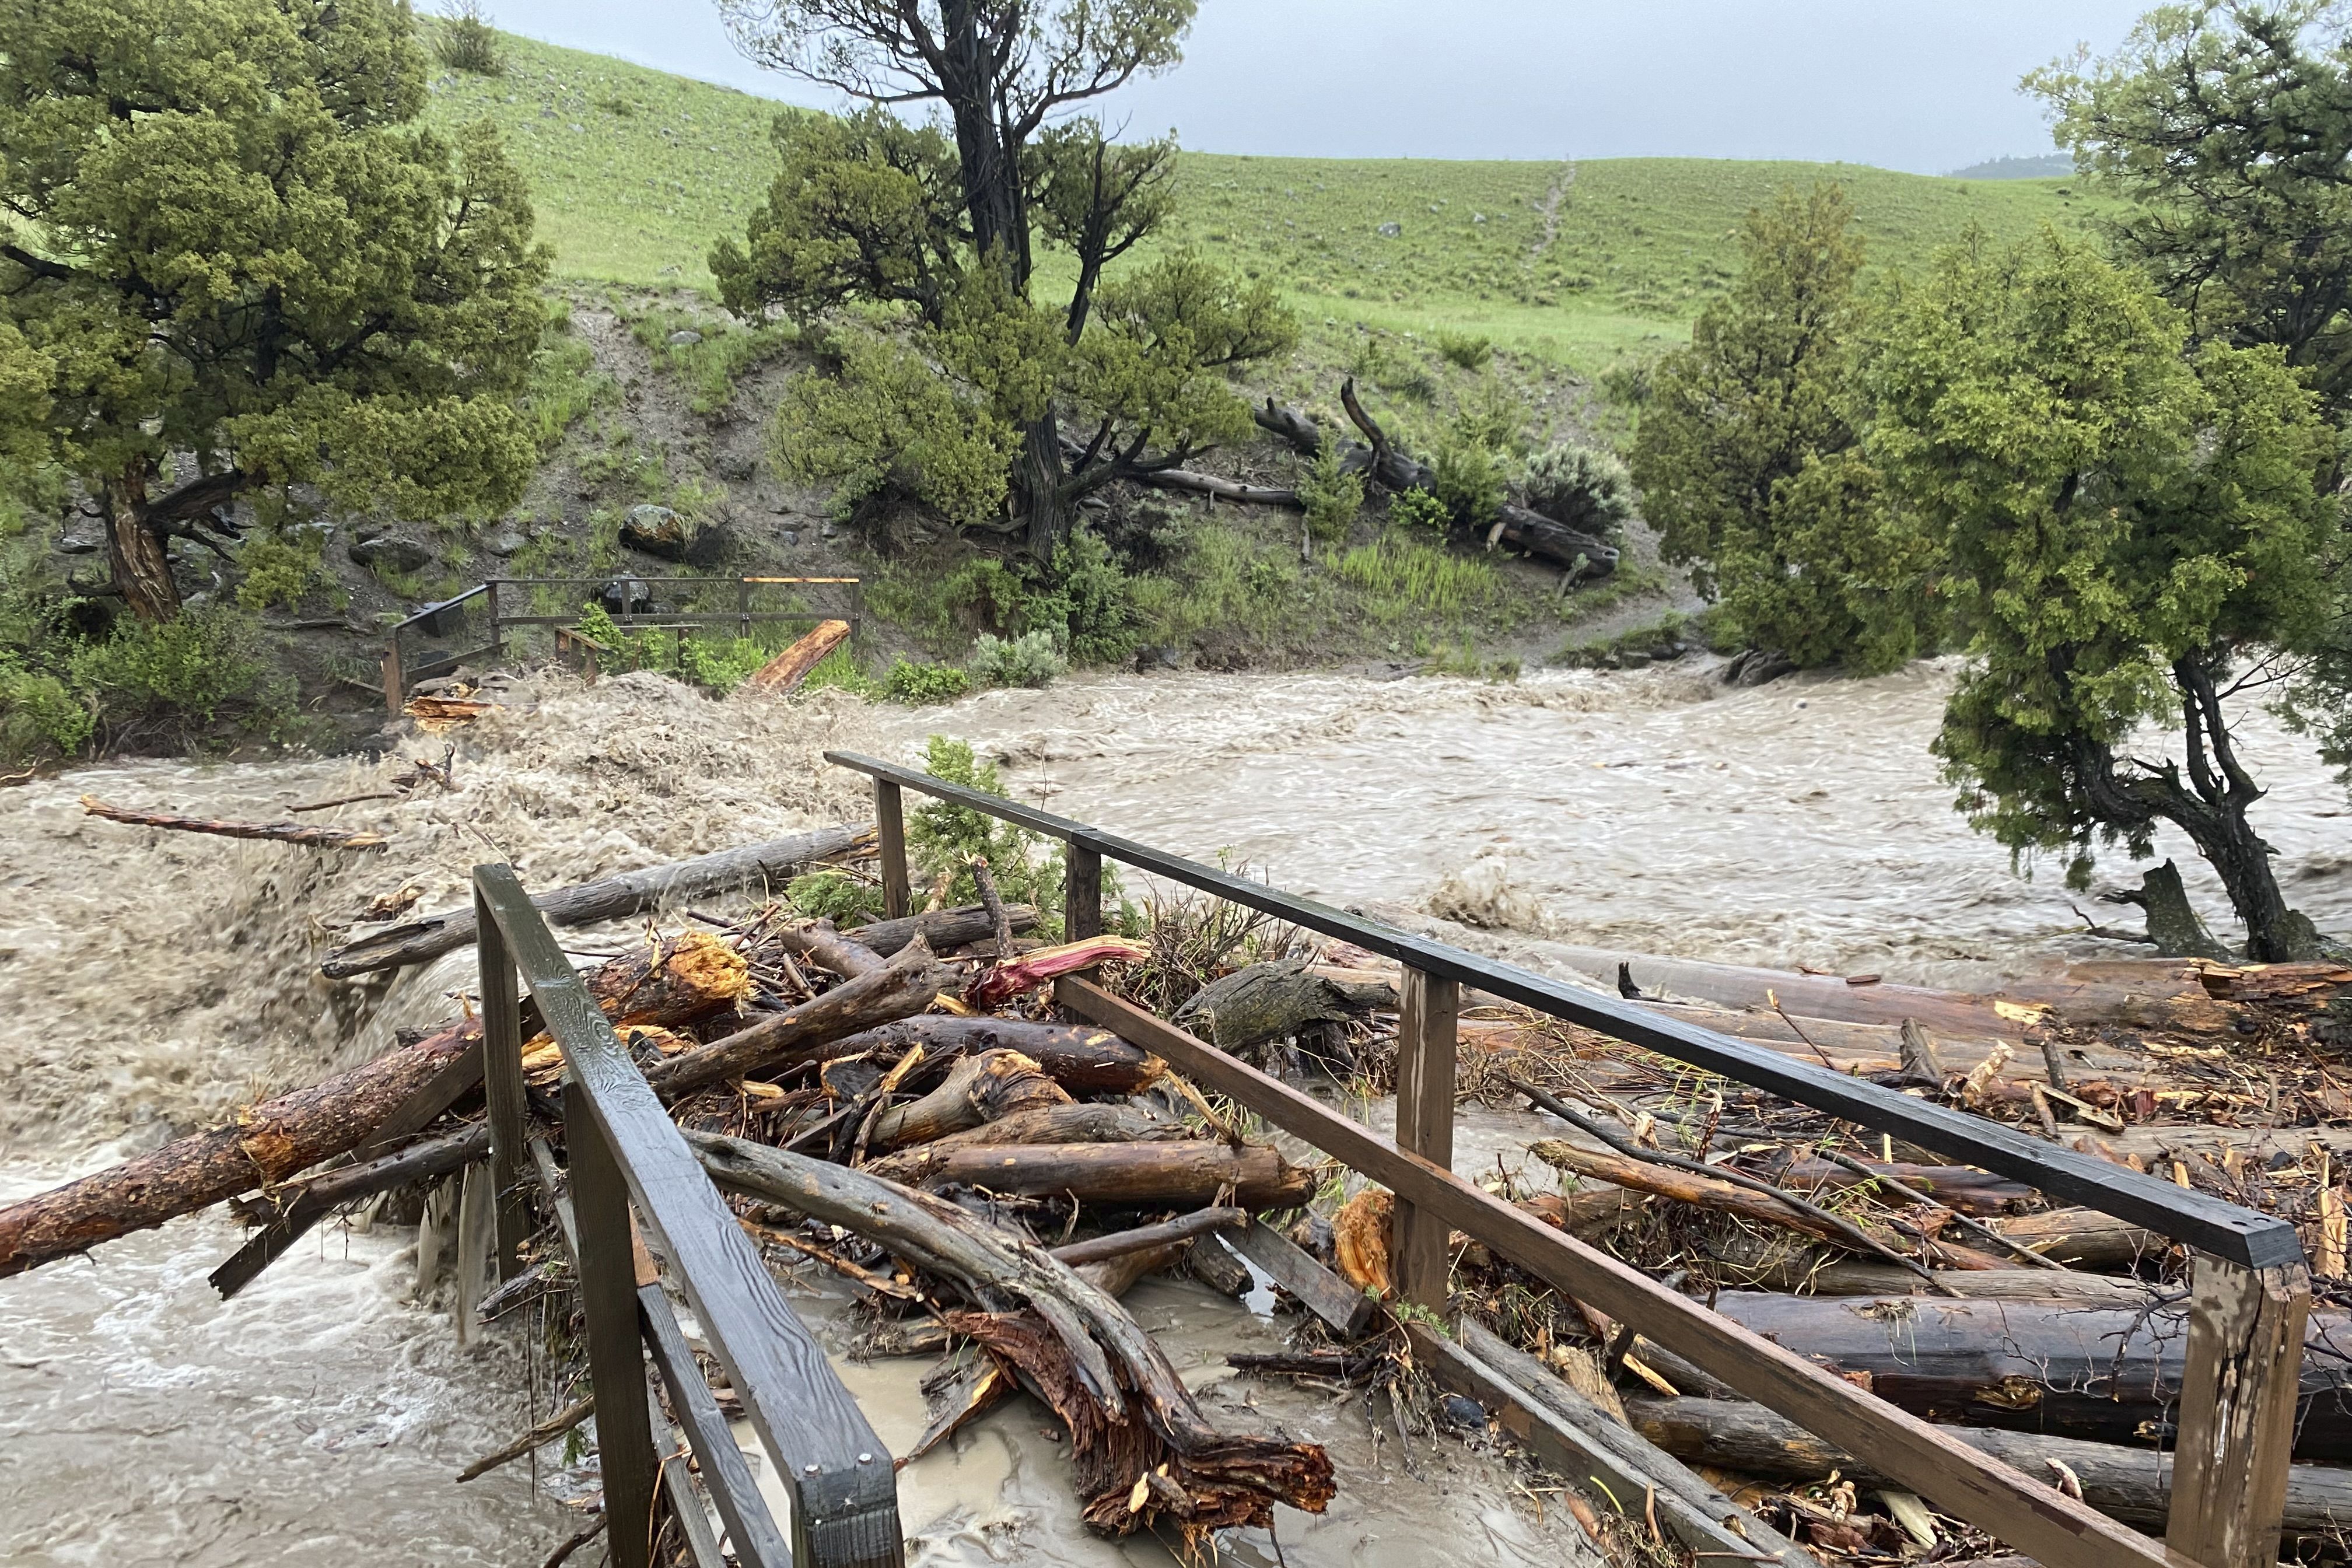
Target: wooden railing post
column 395, row 680
column 890, row 832
column 2236, row 1429
column 1425, row 1126
column 502, row 1087
column 616, row 1360
column 1081, row 893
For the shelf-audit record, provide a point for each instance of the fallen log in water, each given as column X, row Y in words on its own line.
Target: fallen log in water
column 1130, row 1416
column 302, row 833
column 786, row 672
column 772, row 864
column 267, row 1144
column 2132, row 1484
column 2110, row 1374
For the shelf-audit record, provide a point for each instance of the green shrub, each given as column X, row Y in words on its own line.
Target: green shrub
column 839, row 671
column 565, row 384
column 919, row 685
column 1492, row 414
column 942, row 838
column 184, row 672
column 834, row 896
column 280, row 570
column 39, row 715
column 1469, row 481
column 466, row 41
column 1465, row 350
column 1029, row 659
column 1630, row 380
column 1332, row 495
column 1581, row 488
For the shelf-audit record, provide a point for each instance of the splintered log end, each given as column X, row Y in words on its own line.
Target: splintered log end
column 788, row 670
column 1360, row 1238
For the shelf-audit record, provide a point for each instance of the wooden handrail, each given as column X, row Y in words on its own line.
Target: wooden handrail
column 2252, row 1289
column 2198, row 1219
column 627, row 1155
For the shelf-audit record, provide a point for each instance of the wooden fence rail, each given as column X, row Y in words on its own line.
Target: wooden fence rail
column 2250, row 1290
column 630, row 1167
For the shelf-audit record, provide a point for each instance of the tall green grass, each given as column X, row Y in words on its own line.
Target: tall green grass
column 1409, row 579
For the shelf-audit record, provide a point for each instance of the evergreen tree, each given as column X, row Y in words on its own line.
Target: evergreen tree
column 2132, row 529
column 236, row 266
column 1747, row 454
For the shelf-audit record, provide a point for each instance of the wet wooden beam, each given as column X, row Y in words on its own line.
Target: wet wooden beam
column 1426, row 1051
column 2237, row 1412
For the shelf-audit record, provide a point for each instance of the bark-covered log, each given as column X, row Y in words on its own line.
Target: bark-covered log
column 817, row 942
column 944, row 931
column 2107, row 1374
column 677, row 981
column 904, row 986
column 1961, row 1188
column 1289, row 424
column 1129, row 1176
column 1080, row 1057
column 1080, row 1122
column 2132, row 1484
column 273, row 1140
column 307, row 835
column 1272, row 1001
column 1188, row 482
column 2084, row 1238
column 977, row 1089
column 1130, row 1416
column 1200, row 1222
column 1856, row 1277
column 772, row 864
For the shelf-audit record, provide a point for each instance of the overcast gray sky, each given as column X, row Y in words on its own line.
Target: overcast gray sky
column 1905, row 84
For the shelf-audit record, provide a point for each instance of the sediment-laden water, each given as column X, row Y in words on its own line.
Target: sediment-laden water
column 154, row 982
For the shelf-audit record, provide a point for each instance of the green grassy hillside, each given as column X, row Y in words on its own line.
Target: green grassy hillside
column 637, row 171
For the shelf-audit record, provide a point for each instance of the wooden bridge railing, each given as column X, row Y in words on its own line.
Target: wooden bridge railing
column 2250, row 1295
column 626, row 1158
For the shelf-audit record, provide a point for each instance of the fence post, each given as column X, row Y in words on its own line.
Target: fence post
column 743, row 606
column 1082, row 893
column 497, row 631
column 891, row 836
column 502, row 1087
column 2236, row 1432
column 616, row 1359
column 395, row 680
column 1425, row 1126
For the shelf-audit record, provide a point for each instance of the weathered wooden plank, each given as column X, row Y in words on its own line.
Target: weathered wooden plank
column 890, row 841
column 1426, row 1046
column 846, row 1512
column 1346, row 1309
column 2202, row 1221
column 2058, row 1530
column 751, row 1529
column 685, row 1502
column 1581, row 1442
column 2237, row 1412
column 502, row 1090
column 616, row 1363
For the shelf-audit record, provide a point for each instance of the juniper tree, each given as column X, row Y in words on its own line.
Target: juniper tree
column 2132, row 534
column 239, row 268
column 947, row 226
column 1746, row 454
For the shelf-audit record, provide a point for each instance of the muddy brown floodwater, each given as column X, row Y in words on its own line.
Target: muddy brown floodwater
column 156, row 981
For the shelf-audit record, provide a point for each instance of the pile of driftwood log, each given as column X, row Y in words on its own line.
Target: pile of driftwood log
column 1043, row 1168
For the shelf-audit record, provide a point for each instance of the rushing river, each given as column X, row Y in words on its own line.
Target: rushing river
column 154, row 982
